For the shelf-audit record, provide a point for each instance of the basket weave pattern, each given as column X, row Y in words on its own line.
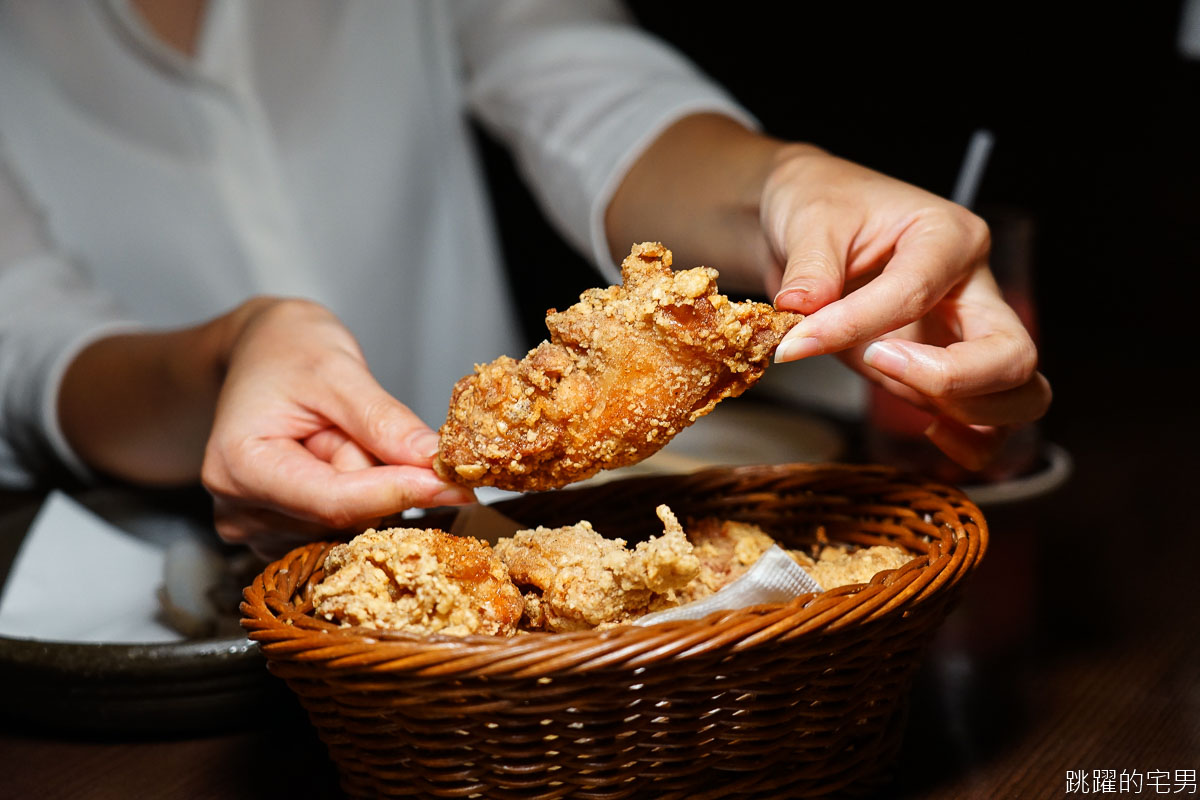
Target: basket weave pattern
column 796, row 700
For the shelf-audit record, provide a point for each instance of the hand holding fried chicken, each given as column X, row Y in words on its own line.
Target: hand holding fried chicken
column 626, row 368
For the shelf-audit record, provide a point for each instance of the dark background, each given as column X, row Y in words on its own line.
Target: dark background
column 1094, row 140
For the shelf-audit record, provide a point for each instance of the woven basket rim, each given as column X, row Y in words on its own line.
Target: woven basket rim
column 890, row 592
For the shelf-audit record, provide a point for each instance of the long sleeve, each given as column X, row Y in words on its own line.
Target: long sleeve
column 48, row 313
column 578, row 93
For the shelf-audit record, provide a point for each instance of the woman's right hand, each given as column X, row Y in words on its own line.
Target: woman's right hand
column 304, row 439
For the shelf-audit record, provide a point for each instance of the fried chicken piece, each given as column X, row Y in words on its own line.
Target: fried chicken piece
column 726, row 549
column 575, row 579
column 837, row 566
column 421, row 581
column 626, row 368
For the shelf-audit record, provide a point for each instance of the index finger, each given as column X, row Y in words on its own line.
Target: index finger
column 930, row 259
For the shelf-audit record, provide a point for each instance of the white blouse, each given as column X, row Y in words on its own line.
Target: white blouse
column 312, row 149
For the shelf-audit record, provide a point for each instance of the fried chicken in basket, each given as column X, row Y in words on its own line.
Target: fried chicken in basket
column 420, row 581
column 555, row 579
column 626, row 368
column 726, row 549
column 575, row 579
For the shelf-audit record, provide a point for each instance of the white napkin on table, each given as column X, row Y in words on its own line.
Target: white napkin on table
column 77, row 578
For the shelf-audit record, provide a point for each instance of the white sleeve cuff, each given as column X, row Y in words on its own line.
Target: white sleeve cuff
column 52, row 384
column 48, row 314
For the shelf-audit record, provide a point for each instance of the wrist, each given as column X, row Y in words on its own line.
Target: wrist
column 219, row 337
column 788, row 152
column 698, row 188
column 788, row 161
column 140, row 406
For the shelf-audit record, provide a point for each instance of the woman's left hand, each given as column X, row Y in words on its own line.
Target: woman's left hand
column 896, row 281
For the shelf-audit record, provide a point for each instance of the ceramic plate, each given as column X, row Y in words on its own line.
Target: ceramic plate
column 191, row 686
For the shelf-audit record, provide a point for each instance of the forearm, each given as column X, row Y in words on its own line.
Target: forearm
column 697, row 189
column 139, row 407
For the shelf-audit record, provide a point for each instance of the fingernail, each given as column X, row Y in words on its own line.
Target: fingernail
column 456, row 496
column 887, row 358
column 424, row 444
column 797, row 348
column 792, row 297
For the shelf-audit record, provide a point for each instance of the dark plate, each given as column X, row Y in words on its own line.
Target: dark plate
column 190, row 687
column 195, row 686
column 1051, row 470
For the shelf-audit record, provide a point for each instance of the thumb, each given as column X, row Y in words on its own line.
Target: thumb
column 815, row 271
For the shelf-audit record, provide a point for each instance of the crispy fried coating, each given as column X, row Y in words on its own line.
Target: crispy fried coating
column 837, row 566
column 626, row 368
column 575, row 579
column 420, row 581
column 726, row 549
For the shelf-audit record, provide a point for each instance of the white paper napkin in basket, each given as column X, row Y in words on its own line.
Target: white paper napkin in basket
column 774, row 578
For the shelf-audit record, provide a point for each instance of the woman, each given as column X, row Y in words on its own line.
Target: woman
column 215, row 214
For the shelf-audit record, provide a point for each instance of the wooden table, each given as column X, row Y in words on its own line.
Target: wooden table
column 1077, row 647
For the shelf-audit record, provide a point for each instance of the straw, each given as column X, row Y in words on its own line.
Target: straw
column 970, row 175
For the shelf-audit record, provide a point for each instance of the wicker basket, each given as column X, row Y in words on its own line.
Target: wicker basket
column 796, row 700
